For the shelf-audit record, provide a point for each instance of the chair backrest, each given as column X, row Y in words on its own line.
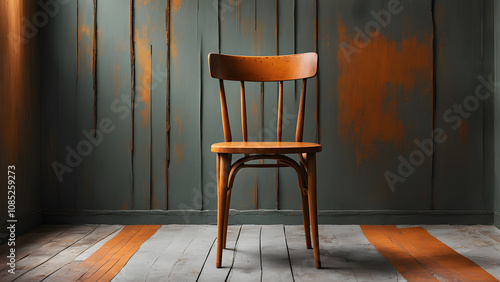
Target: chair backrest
column 262, row 69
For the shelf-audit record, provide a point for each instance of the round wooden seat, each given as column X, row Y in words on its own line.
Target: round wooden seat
column 265, row 147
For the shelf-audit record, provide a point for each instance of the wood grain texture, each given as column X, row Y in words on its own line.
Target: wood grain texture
column 85, row 173
column 265, row 147
column 462, row 123
column 67, row 255
column 66, row 84
column 211, row 129
column 113, row 134
column 348, row 94
column 273, row 250
column 185, row 87
column 398, row 111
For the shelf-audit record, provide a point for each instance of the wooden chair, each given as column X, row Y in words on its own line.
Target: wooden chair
column 264, row 69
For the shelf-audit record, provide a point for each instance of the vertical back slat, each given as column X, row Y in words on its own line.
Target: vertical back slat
column 300, row 119
column 243, row 112
column 280, row 111
column 225, row 115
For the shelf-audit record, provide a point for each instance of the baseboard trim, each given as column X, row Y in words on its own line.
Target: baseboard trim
column 24, row 223
column 266, row 217
column 497, row 220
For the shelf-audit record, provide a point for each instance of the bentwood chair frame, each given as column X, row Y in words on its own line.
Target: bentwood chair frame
column 265, row 69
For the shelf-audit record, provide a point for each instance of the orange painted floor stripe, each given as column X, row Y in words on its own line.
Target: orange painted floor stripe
column 419, row 256
column 106, row 262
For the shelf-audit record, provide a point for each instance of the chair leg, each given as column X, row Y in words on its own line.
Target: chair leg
column 313, row 210
column 223, row 172
column 305, row 217
column 226, row 217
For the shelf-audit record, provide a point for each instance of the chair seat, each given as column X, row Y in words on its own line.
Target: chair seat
column 265, row 147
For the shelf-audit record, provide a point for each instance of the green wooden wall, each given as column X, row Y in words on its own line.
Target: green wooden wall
column 394, row 78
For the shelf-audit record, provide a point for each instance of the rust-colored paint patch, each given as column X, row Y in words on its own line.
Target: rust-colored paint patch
column 178, row 152
column 176, row 5
column 84, row 41
column 143, row 60
column 173, row 40
column 368, row 87
column 116, row 79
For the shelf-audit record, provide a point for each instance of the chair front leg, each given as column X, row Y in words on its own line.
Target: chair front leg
column 313, row 210
column 226, row 218
column 305, row 216
column 222, row 177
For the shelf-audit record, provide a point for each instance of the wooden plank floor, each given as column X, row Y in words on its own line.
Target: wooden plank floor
column 254, row 253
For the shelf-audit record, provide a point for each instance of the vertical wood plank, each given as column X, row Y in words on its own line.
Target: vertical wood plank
column 211, row 126
column 158, row 104
column 84, row 104
column 288, row 193
column 150, row 105
column 142, row 107
column 238, row 36
column 464, row 144
column 48, row 117
column 66, row 82
column 266, row 29
column 111, row 183
column 185, row 164
column 376, row 105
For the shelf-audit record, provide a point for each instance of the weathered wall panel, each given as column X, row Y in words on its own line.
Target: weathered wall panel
column 238, row 36
column 19, row 113
column 458, row 162
column 185, row 154
column 372, row 101
column 112, row 177
column 211, row 125
column 288, row 192
column 376, row 99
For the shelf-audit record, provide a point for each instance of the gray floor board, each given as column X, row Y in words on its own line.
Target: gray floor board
column 254, row 253
column 247, row 262
column 210, row 272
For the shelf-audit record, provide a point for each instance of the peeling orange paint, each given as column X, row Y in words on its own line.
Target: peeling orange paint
column 116, row 79
column 176, row 5
column 173, row 41
column 178, row 152
column 143, row 60
column 369, row 85
column 85, row 41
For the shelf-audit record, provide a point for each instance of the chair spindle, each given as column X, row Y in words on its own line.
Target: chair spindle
column 280, row 111
column 225, row 115
column 243, row 112
column 300, row 118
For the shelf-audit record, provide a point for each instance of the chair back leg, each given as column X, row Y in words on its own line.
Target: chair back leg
column 313, row 209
